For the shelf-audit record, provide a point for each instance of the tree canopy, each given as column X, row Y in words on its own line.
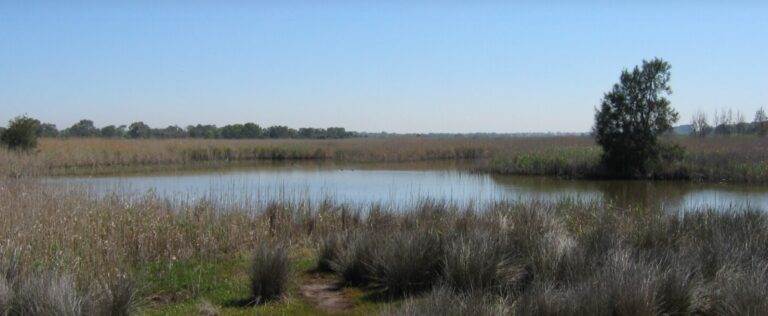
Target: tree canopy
column 632, row 116
column 21, row 133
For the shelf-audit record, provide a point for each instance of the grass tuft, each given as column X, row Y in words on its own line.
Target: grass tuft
column 270, row 270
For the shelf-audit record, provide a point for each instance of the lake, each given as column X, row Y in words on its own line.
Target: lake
column 404, row 183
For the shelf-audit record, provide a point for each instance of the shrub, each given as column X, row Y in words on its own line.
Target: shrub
column 115, row 296
column 405, row 262
column 328, row 253
column 742, row 291
column 269, row 272
column 352, row 257
column 49, row 294
column 478, row 261
column 21, row 133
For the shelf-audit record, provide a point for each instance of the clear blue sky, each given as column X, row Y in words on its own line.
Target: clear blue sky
column 399, row 67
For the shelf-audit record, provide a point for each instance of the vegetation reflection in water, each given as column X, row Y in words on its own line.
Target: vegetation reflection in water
column 402, row 183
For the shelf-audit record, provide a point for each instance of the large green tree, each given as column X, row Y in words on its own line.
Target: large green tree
column 21, row 133
column 83, row 128
column 139, row 130
column 631, row 118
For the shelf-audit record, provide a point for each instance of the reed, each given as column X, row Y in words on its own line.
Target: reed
column 566, row 257
column 96, row 155
column 741, row 158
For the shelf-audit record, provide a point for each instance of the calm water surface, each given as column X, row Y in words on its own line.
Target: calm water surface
column 405, row 183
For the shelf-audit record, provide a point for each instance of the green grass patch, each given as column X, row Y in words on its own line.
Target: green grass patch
column 184, row 288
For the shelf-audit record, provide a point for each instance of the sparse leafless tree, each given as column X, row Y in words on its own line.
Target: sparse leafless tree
column 700, row 125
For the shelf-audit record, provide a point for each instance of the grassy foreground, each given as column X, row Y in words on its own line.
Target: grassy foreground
column 731, row 159
column 121, row 254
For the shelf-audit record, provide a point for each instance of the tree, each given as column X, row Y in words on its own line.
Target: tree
column 631, row 118
column 232, row 131
column 47, row 130
column 761, row 122
column 278, row 131
column 172, row 131
column 699, row 124
column 83, row 128
column 725, row 126
column 202, row 131
column 252, row 130
column 308, row 132
column 337, row 132
column 741, row 126
column 109, row 131
column 139, row 130
column 21, row 133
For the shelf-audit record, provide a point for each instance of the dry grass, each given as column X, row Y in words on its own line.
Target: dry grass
column 90, row 155
column 542, row 257
column 270, row 268
column 735, row 158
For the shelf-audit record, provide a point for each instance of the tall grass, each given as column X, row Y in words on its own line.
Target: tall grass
column 731, row 159
column 50, row 293
column 525, row 255
column 83, row 156
column 529, row 258
column 269, row 272
column 734, row 159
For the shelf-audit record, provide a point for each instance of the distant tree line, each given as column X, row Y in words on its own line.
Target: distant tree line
column 137, row 130
column 726, row 122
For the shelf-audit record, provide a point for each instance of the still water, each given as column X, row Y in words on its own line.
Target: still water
column 407, row 182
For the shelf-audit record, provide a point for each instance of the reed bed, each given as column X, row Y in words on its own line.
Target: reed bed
column 722, row 159
column 718, row 159
column 516, row 257
column 93, row 155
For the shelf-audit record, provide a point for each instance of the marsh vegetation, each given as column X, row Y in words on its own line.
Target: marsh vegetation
column 137, row 253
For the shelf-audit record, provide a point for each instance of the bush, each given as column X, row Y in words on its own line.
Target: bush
column 115, row 296
column 328, row 254
column 21, row 133
column 348, row 254
column 269, row 272
column 742, row 291
column 478, row 261
column 49, row 294
column 53, row 293
column 406, row 262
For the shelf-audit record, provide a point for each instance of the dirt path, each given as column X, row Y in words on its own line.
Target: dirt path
column 325, row 295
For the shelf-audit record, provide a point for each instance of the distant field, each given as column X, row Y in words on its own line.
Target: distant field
column 734, row 159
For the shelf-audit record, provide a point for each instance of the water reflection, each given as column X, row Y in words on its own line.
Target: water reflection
column 657, row 194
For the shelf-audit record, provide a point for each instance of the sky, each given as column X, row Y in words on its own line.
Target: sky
column 395, row 66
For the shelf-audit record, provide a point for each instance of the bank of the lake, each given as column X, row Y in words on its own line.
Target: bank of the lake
column 153, row 257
